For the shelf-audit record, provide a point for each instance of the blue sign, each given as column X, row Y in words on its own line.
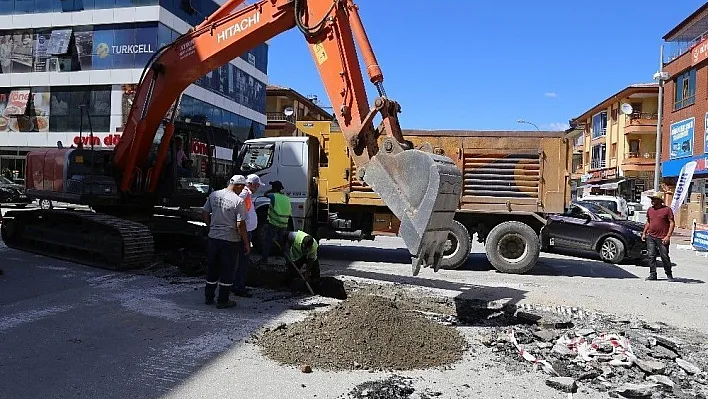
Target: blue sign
column 700, row 237
column 705, row 147
column 123, row 47
column 682, row 138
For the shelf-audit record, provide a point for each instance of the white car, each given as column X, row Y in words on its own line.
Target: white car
column 617, row 205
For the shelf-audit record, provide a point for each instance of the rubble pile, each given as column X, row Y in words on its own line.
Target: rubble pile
column 394, row 387
column 621, row 357
column 365, row 332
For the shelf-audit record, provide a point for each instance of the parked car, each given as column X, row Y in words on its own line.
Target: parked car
column 589, row 227
column 12, row 194
column 617, row 205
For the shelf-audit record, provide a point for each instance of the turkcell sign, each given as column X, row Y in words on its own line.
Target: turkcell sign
column 238, row 27
column 132, row 49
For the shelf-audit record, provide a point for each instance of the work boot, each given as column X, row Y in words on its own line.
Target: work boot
column 225, row 305
column 652, row 277
column 209, row 292
column 670, row 276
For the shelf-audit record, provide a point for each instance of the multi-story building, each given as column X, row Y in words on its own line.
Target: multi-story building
column 285, row 106
column 685, row 111
column 59, row 55
column 619, row 142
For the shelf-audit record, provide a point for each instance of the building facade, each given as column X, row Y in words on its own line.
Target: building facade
column 59, row 56
column 285, row 106
column 685, row 112
column 618, row 143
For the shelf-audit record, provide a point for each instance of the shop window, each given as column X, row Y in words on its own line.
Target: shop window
column 65, row 111
column 685, row 89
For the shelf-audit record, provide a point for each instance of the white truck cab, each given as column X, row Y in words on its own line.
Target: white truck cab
column 287, row 159
column 617, row 205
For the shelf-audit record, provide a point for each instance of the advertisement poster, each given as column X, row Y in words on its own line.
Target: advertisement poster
column 5, row 53
column 22, row 45
column 700, row 237
column 682, row 138
column 684, row 181
column 41, row 46
column 84, row 49
column 40, row 109
column 102, row 43
column 705, row 147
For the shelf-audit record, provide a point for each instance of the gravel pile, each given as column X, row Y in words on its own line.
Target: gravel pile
column 364, row 332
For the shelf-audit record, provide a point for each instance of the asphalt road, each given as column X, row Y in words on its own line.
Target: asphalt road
column 68, row 330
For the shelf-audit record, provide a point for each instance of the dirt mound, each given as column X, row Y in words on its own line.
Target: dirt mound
column 365, row 332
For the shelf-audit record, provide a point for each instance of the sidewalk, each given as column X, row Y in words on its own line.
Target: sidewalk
column 681, row 237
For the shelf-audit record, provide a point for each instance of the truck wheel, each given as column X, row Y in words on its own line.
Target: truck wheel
column 612, row 250
column 457, row 247
column 512, row 247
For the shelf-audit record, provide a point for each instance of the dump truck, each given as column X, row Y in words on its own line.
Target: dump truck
column 511, row 181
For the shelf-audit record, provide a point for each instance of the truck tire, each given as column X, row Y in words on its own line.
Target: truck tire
column 512, row 247
column 611, row 250
column 457, row 247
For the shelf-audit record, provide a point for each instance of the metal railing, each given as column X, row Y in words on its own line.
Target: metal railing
column 644, row 115
column 598, row 164
column 279, row 117
column 679, row 48
column 640, row 155
column 597, row 133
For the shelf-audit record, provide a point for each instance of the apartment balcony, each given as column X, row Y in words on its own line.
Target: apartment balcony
column 639, row 161
column 281, row 122
column 641, row 122
column 598, row 164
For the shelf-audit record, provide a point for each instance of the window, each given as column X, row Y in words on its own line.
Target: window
column 599, row 124
column 65, row 114
column 613, row 114
column 613, row 151
column 257, row 157
column 685, row 89
column 633, row 148
column 599, row 153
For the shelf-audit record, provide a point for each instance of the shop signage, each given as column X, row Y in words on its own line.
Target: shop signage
column 602, row 174
column 699, row 52
column 705, row 147
column 682, row 138
column 98, row 140
column 700, row 237
column 17, row 102
column 199, row 148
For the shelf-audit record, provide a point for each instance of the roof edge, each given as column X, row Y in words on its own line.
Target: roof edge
column 633, row 88
column 685, row 22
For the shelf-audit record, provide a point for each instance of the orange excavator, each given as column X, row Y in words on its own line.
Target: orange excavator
column 131, row 187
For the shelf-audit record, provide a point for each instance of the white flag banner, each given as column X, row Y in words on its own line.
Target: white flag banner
column 684, row 181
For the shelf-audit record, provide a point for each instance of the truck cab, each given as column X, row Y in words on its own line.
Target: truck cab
column 289, row 160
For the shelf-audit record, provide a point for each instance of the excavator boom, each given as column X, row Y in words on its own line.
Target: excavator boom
column 422, row 189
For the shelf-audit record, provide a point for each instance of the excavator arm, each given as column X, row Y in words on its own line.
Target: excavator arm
column 422, row 189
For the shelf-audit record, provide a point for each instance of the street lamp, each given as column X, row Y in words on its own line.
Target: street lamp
column 661, row 77
column 530, row 123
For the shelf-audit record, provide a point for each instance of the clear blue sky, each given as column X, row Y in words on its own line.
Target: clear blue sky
column 463, row 64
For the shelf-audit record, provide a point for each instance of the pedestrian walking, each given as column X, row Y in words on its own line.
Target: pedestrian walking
column 279, row 213
column 657, row 234
column 225, row 214
column 253, row 183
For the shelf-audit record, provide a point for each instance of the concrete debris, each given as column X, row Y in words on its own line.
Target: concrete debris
column 545, row 319
column 636, row 390
column 689, row 367
column 662, row 379
column 545, row 335
column 305, row 368
column 650, row 366
column 659, row 352
column 667, row 342
column 564, row 384
column 584, row 332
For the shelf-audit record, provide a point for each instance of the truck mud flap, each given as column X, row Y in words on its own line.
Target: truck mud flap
column 423, row 190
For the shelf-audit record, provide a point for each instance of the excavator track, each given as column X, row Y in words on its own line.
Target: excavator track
column 93, row 239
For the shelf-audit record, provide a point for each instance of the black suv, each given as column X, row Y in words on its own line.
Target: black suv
column 586, row 226
column 12, row 194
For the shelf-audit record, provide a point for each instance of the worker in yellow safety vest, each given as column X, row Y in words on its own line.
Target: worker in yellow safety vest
column 301, row 252
column 279, row 213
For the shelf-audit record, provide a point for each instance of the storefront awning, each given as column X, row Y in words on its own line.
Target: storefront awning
column 605, row 186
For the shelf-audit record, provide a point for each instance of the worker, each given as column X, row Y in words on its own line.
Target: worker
column 253, row 183
column 182, row 160
column 301, row 250
column 657, row 233
column 225, row 214
column 279, row 212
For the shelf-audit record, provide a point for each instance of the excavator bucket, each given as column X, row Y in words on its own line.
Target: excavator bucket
column 423, row 190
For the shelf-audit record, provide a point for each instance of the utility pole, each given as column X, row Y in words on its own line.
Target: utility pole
column 661, row 76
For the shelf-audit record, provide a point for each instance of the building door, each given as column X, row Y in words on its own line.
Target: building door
column 13, row 167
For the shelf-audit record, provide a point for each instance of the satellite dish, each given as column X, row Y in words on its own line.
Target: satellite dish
column 626, row 108
column 288, row 111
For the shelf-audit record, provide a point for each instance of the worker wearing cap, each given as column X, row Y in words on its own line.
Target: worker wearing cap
column 253, row 183
column 657, row 233
column 301, row 250
column 225, row 215
column 279, row 213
